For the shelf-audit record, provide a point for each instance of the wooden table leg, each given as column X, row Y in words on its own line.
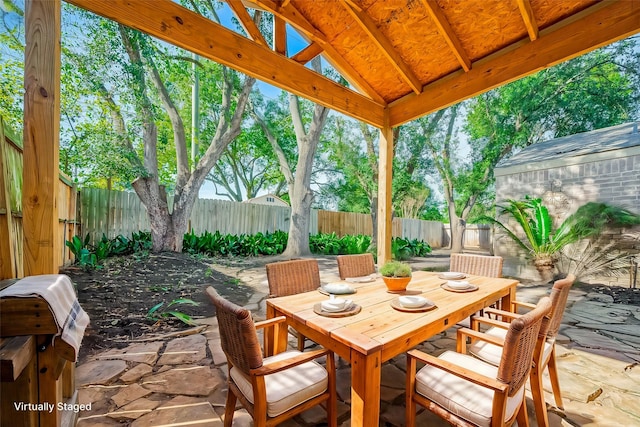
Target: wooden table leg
column 275, row 343
column 366, row 371
column 506, row 300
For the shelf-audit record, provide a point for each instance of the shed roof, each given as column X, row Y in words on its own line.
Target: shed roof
column 580, row 144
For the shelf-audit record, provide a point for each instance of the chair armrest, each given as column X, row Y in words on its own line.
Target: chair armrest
column 270, row 322
column 517, row 304
column 508, row 314
column 489, row 321
column 459, row 371
column 281, row 365
column 480, row 336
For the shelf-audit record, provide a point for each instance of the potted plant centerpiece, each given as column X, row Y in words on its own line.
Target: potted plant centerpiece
column 396, row 275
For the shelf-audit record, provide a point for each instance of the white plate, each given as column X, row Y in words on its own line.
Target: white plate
column 458, row 284
column 412, row 301
column 452, row 275
column 361, row 279
column 338, row 288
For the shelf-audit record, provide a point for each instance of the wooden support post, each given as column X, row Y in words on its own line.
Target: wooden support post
column 385, row 174
column 41, row 136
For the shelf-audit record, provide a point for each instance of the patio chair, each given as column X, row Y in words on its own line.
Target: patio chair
column 293, row 277
column 545, row 352
column 355, row 265
column 271, row 389
column 479, row 265
column 465, row 390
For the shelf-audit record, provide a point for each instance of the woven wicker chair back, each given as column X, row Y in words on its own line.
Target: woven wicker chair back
column 519, row 345
column 238, row 336
column 480, row 265
column 292, row 277
column 355, row 265
column 559, row 295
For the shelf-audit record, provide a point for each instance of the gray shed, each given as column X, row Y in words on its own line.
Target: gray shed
column 600, row 166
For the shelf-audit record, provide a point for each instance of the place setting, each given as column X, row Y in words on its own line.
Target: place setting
column 336, row 288
column 362, row 279
column 458, row 286
column 412, row 304
column 336, row 307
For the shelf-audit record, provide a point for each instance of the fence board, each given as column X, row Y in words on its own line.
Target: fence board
column 11, row 231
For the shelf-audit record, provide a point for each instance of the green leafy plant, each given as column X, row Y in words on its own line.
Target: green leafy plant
column 81, row 251
column 589, row 258
column 542, row 244
column 155, row 313
column 395, row 269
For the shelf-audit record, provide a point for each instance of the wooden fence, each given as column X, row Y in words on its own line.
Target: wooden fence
column 11, row 233
column 475, row 236
column 113, row 212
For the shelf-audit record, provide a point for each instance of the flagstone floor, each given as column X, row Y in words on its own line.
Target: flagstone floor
column 180, row 380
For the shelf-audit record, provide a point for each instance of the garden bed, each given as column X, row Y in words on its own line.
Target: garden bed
column 118, row 296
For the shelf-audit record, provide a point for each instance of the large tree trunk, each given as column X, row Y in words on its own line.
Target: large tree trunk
column 168, row 229
column 301, row 194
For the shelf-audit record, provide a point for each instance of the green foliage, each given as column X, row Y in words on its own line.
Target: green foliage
column 395, row 269
column 217, row 244
column 403, row 249
column 540, row 240
column 155, row 312
column 82, row 252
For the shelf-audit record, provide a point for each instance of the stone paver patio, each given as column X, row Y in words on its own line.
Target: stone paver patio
column 181, row 381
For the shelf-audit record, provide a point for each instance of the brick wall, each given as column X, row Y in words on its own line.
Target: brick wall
column 611, row 177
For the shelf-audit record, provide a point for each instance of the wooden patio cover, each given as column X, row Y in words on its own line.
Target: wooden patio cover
column 402, row 58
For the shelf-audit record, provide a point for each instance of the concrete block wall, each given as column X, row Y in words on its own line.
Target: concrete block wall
column 610, row 177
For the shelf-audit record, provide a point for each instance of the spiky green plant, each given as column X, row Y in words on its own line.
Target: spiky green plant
column 542, row 243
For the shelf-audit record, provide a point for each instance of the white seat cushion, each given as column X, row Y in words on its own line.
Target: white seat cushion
column 491, row 353
column 459, row 396
column 288, row 388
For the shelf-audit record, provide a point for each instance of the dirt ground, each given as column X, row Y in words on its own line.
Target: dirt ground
column 119, row 295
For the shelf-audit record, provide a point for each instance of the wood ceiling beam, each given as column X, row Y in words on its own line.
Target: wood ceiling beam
column 383, row 43
column 294, row 18
column 308, row 53
column 181, row 27
column 280, row 36
column 247, row 22
column 528, row 18
column 444, row 28
column 597, row 26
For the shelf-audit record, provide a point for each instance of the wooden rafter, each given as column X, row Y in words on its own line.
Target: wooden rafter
column 308, row 53
column 280, row 36
column 447, row 32
column 247, row 23
column 602, row 24
column 528, row 18
column 384, row 45
column 294, row 18
column 177, row 25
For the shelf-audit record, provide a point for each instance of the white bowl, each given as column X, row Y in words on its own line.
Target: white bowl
column 452, row 275
column 458, row 284
column 336, row 304
column 412, row 301
column 338, row 288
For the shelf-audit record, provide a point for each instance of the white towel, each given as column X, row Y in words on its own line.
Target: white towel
column 57, row 290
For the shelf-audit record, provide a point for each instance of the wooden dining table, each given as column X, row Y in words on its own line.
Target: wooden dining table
column 379, row 332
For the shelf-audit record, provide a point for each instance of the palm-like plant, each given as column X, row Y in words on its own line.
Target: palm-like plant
column 543, row 244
